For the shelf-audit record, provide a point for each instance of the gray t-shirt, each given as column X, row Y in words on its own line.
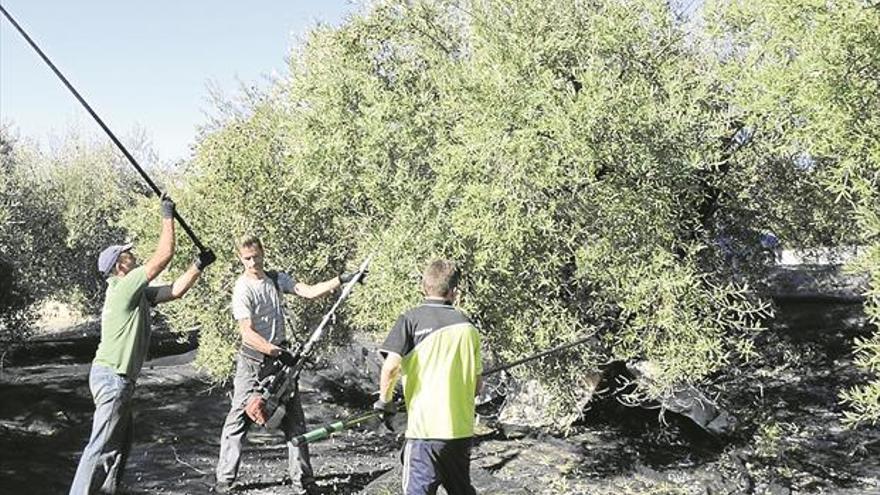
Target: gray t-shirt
column 258, row 300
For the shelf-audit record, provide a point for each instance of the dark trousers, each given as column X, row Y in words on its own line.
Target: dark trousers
column 428, row 464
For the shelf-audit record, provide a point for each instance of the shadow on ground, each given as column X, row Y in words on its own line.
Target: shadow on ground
column 790, row 439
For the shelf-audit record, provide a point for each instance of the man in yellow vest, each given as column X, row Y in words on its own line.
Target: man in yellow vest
column 435, row 349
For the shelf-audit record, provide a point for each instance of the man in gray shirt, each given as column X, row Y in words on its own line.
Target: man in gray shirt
column 258, row 307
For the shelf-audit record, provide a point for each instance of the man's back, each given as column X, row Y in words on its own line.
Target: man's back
column 440, row 367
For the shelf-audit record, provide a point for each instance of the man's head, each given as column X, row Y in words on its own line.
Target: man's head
column 116, row 260
column 440, row 279
column 250, row 252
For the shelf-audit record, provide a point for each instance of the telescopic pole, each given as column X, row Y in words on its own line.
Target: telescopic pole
column 316, row 335
column 101, row 123
column 352, row 421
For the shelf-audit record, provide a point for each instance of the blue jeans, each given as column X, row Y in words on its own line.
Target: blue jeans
column 103, row 460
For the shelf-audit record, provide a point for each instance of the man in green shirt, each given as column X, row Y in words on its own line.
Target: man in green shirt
column 436, row 350
column 125, row 339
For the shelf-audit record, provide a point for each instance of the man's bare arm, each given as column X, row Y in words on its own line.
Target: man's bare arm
column 254, row 340
column 317, row 290
column 164, row 250
column 389, row 375
column 180, row 287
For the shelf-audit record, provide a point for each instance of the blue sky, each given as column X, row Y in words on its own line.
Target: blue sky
column 143, row 65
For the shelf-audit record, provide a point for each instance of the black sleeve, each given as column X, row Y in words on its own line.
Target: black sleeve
column 400, row 339
column 152, row 293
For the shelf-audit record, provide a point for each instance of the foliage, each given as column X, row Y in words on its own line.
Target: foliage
column 59, row 209
column 584, row 162
column 15, row 298
column 574, row 158
column 813, row 100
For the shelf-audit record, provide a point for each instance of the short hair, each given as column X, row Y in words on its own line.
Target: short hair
column 248, row 240
column 440, row 277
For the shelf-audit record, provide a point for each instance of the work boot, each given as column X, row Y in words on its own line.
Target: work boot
column 308, row 487
column 224, row 487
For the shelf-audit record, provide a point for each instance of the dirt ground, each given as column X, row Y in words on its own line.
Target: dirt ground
column 789, row 437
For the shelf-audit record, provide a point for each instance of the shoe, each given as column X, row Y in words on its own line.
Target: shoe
column 224, row 487
column 304, row 489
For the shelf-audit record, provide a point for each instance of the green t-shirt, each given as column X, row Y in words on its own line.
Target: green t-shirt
column 440, row 367
column 125, row 323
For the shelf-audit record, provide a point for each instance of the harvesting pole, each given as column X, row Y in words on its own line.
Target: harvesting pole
column 352, row 421
column 101, row 123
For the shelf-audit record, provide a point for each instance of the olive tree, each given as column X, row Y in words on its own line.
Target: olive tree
column 812, row 101
column 593, row 167
column 60, row 207
column 574, row 158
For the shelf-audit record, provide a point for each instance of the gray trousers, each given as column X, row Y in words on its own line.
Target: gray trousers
column 110, row 442
column 237, row 424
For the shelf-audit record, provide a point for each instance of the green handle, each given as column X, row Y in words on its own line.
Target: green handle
column 328, row 429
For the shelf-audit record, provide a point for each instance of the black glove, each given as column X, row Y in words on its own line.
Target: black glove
column 386, row 410
column 287, row 358
column 204, row 259
column 167, row 207
column 347, row 277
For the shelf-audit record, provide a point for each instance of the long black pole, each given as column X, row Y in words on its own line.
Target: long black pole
column 316, row 335
column 100, row 122
column 539, row 355
column 327, row 430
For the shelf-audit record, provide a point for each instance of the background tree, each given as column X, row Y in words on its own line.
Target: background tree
column 811, row 102
column 15, row 298
column 60, row 208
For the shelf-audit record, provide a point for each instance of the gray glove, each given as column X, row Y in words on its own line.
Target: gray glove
column 167, row 207
column 347, row 277
column 386, row 410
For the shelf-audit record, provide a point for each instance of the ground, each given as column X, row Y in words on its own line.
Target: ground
column 789, row 437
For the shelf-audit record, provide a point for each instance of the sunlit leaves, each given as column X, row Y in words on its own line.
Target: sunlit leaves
column 812, row 100
column 556, row 150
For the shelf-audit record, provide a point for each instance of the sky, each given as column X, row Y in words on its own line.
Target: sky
column 145, row 67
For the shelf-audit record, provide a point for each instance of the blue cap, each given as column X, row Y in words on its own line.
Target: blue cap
column 108, row 257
